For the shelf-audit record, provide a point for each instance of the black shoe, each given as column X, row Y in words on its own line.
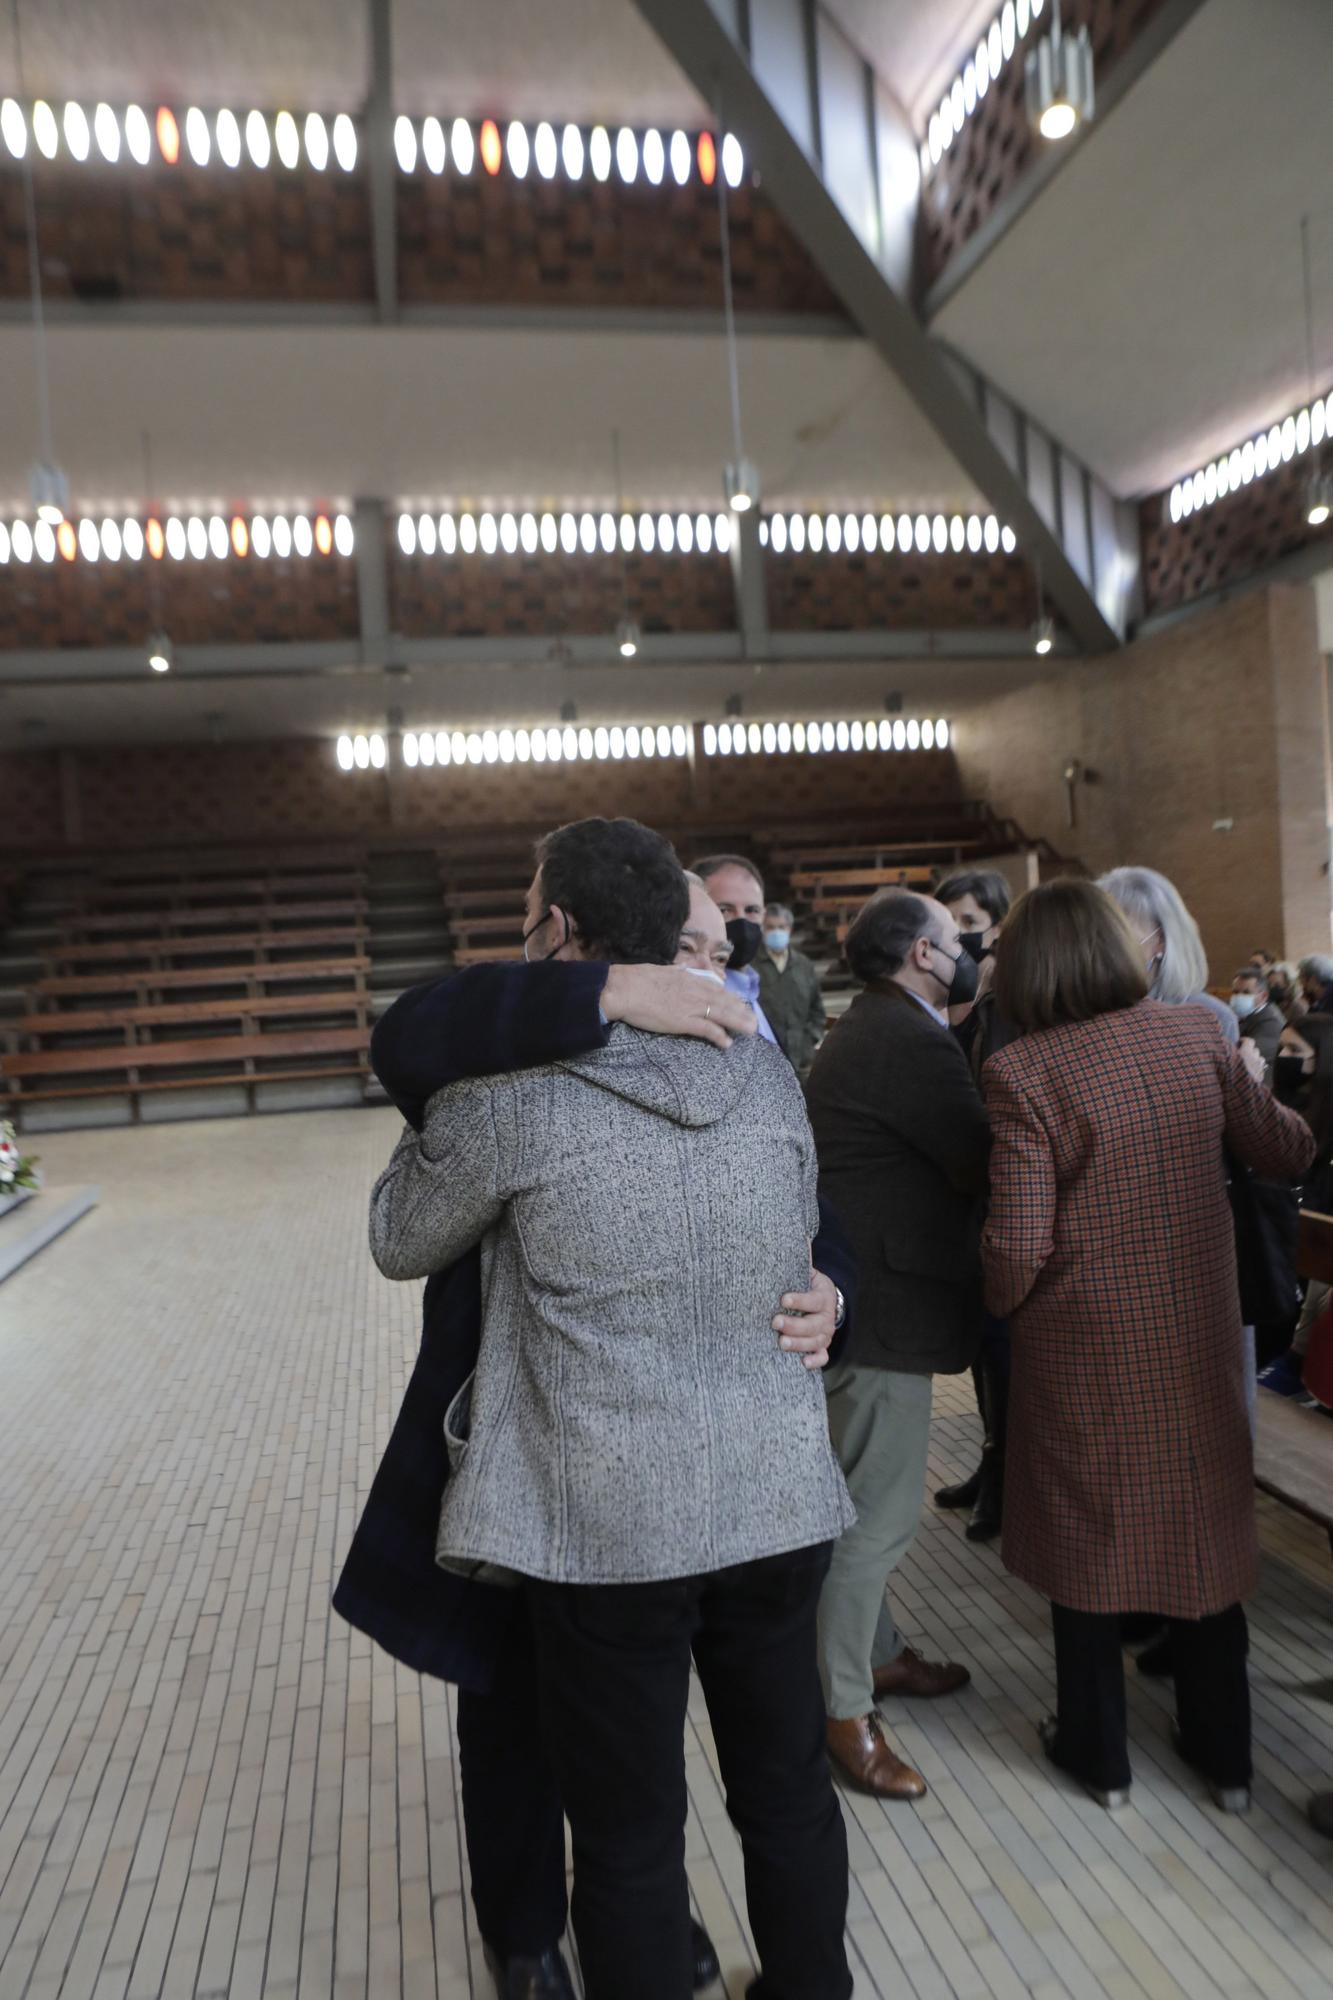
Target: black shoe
column 1110, row 1798
column 1157, row 1660
column 707, row 1966
column 962, row 1495
column 988, row 1511
column 1138, row 1626
column 544, row 1978
column 1227, row 1798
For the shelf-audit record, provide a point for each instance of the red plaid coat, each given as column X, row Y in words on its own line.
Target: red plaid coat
column 1129, row 1481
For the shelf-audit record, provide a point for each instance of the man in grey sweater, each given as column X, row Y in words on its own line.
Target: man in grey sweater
column 636, row 1444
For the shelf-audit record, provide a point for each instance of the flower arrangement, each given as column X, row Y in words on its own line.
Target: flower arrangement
column 18, row 1171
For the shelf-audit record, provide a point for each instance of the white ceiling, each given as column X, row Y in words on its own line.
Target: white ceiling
column 1147, row 306
column 581, row 59
column 916, row 46
column 491, row 415
column 181, row 709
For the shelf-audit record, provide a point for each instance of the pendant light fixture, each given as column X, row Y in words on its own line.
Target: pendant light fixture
column 1043, row 630
column 1319, row 490
column 160, row 652
column 47, row 483
column 1058, row 79
column 628, row 636
column 740, row 479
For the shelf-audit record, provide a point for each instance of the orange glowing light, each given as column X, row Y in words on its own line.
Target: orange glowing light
column 490, row 146
column 168, row 136
column 707, row 159
column 67, row 541
column 323, row 534
column 155, row 539
column 240, row 536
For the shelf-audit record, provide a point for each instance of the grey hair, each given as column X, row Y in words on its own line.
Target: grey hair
column 780, row 910
column 1153, row 904
column 1319, row 965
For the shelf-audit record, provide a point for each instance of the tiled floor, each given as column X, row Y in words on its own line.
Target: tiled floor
column 208, row 1786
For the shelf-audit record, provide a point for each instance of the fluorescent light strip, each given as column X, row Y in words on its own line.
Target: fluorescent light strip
column 545, row 153
column 178, row 535
column 1302, row 431
column 738, row 739
column 591, row 534
column 565, row 743
column 994, row 51
column 134, row 136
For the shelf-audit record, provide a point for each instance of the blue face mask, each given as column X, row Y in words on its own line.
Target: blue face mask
column 777, row 940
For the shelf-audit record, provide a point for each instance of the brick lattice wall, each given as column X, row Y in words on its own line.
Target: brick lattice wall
column 1229, row 541
column 239, row 793
column 996, row 145
column 854, row 593
column 209, row 233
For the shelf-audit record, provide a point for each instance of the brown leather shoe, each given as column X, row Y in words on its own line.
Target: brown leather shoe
column 910, row 1675
column 858, row 1747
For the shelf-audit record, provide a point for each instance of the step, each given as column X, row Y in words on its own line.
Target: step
column 31, row 1225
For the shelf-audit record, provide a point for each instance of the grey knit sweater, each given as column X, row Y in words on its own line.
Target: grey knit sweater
column 641, row 1211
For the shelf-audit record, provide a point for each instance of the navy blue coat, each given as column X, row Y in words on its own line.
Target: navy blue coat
column 488, row 1019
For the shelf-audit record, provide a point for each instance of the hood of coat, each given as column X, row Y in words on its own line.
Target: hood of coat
column 681, row 1079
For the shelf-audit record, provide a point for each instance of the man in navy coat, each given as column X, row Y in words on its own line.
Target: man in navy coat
column 479, row 1022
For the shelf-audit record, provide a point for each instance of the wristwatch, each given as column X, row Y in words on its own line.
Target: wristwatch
column 842, row 1309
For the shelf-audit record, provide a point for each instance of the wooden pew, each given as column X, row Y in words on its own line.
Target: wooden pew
column 172, row 922
column 33, row 1077
column 251, row 978
column 1293, row 1448
column 137, row 1024
column 187, row 891
column 154, row 951
column 863, row 881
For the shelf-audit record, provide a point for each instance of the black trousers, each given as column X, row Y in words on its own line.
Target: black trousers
column 614, row 1673
column 512, row 1811
column 1212, row 1695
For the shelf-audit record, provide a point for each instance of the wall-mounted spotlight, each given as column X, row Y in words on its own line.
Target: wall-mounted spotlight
column 1319, row 501
column 740, row 484
column 628, row 638
column 1043, row 635
column 161, row 653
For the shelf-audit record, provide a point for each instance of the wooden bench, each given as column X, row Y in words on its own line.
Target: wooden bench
column 463, row 929
column 503, row 897
column 131, row 1022
column 172, row 922
column 185, row 890
column 481, row 954
column 249, row 978
column 319, row 1052
column 1293, row 1447
column 155, row 950
column 866, row 880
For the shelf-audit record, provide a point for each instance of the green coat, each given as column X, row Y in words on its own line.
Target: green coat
column 793, row 1003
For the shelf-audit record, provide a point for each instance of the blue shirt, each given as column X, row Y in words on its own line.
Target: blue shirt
column 745, row 982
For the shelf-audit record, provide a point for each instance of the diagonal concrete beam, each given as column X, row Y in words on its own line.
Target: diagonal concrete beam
column 840, row 161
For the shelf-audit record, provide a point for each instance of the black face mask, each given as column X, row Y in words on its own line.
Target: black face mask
column 972, row 945
column 962, row 988
column 1289, row 1078
column 746, row 938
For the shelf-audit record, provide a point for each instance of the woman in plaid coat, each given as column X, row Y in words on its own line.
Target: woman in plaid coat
column 1110, row 1245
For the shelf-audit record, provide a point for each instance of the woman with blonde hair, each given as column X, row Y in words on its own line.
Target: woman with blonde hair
column 1176, row 961
column 1110, row 1246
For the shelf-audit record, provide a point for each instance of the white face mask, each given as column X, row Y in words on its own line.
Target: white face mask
column 702, row 972
column 1243, row 1005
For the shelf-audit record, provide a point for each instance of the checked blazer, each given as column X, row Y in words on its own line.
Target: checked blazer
column 1129, row 1484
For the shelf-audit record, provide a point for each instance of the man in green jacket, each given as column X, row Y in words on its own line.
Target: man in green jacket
column 789, row 989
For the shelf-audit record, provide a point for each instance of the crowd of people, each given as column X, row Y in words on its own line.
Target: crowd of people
column 693, row 1259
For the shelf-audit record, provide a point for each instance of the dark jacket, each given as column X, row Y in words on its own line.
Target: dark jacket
column 1265, row 1029
column 479, row 1022
column 903, row 1144
column 793, row 1003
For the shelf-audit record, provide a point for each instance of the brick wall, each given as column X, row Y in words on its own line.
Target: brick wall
column 540, row 595
column 200, row 603
column 209, row 233
column 996, row 145
column 855, row 593
column 238, row 793
column 1234, row 538
column 1220, row 717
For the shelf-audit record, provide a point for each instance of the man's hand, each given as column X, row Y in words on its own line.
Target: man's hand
column 812, row 1335
column 670, row 1000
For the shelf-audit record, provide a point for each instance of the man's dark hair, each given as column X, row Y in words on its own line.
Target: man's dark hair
column 987, row 885
column 884, row 931
column 1258, row 973
column 621, row 886
column 711, row 863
